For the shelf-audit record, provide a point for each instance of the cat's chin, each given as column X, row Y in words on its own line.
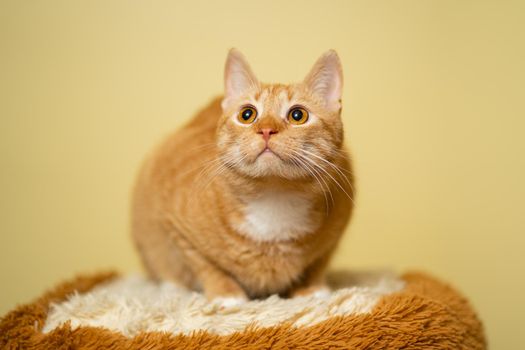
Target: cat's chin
column 269, row 164
column 271, row 161
column 268, row 155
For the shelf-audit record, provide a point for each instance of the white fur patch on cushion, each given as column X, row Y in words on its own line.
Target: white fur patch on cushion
column 135, row 304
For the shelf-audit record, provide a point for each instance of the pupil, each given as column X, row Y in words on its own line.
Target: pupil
column 297, row 115
column 247, row 114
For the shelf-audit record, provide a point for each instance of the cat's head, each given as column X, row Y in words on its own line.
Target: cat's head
column 281, row 130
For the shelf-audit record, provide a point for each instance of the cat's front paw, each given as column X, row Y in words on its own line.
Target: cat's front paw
column 229, row 302
column 321, row 292
column 224, row 305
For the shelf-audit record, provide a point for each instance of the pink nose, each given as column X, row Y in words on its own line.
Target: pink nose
column 266, row 133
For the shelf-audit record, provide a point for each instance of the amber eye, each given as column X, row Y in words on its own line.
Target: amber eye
column 247, row 115
column 297, row 116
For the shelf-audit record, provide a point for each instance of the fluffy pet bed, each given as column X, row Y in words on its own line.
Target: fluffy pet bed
column 364, row 311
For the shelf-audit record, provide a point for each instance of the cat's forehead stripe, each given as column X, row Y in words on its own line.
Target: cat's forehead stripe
column 283, row 96
column 263, row 96
column 276, row 98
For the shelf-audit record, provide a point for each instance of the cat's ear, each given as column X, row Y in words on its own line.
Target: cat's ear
column 325, row 80
column 238, row 77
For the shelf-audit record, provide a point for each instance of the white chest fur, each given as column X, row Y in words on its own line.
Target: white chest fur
column 277, row 216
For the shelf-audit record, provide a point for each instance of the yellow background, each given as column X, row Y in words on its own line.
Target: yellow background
column 433, row 106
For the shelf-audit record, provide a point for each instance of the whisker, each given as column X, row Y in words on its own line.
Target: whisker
column 335, row 167
column 210, row 145
column 203, row 147
column 321, row 177
column 317, row 177
column 343, row 153
column 328, row 174
column 213, row 169
column 226, row 163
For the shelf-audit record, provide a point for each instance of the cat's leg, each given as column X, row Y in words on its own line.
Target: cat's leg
column 314, row 280
column 215, row 282
column 161, row 256
column 169, row 258
column 167, row 255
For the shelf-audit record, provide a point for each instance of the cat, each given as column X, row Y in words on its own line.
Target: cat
column 251, row 197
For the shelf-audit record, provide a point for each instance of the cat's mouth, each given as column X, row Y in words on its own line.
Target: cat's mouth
column 268, row 152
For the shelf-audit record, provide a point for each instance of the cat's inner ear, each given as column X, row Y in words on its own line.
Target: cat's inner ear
column 238, row 77
column 325, row 80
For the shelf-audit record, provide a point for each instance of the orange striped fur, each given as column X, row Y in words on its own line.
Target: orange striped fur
column 247, row 210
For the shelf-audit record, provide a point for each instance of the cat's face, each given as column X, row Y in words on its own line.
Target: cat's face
column 289, row 131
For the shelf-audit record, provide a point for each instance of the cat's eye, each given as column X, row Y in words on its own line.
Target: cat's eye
column 297, row 115
column 247, row 115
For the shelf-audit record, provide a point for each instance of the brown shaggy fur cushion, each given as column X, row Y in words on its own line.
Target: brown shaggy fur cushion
column 426, row 314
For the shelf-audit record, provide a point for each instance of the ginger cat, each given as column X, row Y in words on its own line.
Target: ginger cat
column 251, row 197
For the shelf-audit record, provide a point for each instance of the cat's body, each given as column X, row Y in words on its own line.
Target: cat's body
column 236, row 224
